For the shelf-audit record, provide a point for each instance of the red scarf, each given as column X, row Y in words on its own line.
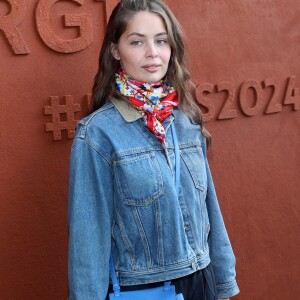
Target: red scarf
column 155, row 101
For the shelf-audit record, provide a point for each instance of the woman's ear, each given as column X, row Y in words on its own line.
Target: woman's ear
column 114, row 51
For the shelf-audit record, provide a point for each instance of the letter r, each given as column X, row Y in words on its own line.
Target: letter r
column 8, row 24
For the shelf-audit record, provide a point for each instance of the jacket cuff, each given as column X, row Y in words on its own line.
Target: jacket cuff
column 227, row 290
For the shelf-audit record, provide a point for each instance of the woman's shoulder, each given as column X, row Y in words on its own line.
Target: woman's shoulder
column 99, row 123
column 189, row 131
column 186, row 123
column 98, row 129
column 101, row 113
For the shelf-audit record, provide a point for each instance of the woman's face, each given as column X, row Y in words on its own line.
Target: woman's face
column 143, row 49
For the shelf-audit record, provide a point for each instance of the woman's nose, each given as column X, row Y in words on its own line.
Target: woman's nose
column 151, row 50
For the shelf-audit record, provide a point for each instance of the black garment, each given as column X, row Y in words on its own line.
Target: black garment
column 200, row 285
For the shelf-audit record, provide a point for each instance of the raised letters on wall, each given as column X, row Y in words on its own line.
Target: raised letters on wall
column 261, row 105
column 10, row 23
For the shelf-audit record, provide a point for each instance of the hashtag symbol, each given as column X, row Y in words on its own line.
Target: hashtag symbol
column 57, row 110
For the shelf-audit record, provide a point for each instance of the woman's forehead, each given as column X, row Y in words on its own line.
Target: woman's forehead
column 145, row 23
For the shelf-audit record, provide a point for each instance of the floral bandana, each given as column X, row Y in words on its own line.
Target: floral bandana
column 155, row 101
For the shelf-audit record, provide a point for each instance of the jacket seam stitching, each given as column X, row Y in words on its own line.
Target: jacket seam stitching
column 98, row 151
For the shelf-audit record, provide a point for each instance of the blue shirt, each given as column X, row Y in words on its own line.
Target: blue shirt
column 122, row 199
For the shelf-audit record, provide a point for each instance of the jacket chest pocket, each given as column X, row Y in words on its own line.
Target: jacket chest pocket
column 138, row 179
column 195, row 162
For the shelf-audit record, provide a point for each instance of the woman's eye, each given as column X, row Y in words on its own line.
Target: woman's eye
column 162, row 42
column 136, row 43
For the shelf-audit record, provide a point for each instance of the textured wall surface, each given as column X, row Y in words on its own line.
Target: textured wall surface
column 245, row 60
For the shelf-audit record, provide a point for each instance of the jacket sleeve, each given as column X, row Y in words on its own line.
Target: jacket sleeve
column 89, row 219
column 221, row 253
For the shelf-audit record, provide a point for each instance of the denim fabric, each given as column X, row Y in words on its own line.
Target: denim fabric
column 122, row 198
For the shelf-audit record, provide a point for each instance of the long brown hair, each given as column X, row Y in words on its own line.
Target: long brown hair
column 104, row 85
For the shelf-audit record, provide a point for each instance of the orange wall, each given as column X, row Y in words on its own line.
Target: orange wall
column 244, row 58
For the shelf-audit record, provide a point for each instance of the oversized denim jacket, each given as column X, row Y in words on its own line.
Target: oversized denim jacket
column 122, row 199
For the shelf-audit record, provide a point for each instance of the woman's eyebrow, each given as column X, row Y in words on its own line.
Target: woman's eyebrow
column 143, row 35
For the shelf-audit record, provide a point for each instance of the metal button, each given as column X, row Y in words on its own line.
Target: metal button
column 187, row 227
column 194, row 266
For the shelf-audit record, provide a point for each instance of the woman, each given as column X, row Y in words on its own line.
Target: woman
column 122, row 198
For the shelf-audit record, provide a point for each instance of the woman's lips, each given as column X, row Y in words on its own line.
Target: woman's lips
column 151, row 68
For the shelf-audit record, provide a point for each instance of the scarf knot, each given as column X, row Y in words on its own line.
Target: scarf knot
column 155, row 101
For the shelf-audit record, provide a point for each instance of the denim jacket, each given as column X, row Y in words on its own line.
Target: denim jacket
column 122, row 199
